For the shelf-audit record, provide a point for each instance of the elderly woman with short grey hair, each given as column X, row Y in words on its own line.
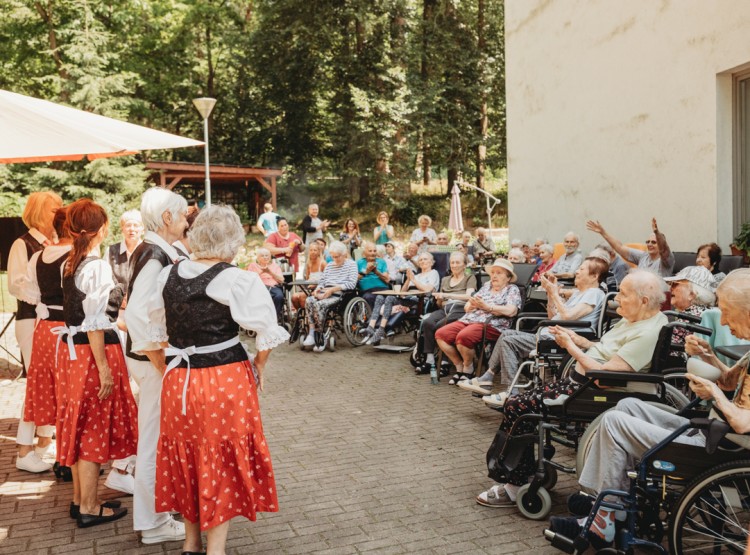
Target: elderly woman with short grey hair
column 209, row 402
column 272, row 277
column 340, row 275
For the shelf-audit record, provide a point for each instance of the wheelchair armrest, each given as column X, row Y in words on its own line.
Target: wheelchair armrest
column 565, row 323
column 690, row 326
column 683, row 315
column 608, row 377
column 524, row 317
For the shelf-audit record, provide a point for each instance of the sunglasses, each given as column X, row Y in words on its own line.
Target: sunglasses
column 650, row 242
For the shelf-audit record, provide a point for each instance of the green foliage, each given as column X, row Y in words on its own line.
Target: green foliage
column 358, row 97
column 742, row 240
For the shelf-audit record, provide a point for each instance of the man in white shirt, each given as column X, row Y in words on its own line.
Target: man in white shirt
column 568, row 263
column 164, row 217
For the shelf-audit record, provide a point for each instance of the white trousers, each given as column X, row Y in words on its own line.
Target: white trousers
column 25, row 338
column 144, row 502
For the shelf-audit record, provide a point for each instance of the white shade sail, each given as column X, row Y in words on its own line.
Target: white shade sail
column 34, row 130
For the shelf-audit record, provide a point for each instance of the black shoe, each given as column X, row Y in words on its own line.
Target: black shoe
column 75, row 510
column 425, row 368
column 568, row 527
column 580, row 504
column 86, row 521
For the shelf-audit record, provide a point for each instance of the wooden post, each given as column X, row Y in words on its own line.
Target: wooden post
column 273, row 192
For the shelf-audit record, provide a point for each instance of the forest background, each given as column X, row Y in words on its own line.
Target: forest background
column 366, row 104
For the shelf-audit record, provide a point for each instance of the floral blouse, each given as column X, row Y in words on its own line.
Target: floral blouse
column 510, row 295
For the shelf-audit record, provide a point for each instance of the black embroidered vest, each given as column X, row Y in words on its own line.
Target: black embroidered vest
column 120, row 265
column 25, row 310
column 194, row 318
column 140, row 257
column 73, row 307
column 50, row 285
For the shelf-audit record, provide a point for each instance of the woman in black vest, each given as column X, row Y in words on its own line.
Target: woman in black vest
column 99, row 420
column 47, row 372
column 212, row 461
column 37, row 215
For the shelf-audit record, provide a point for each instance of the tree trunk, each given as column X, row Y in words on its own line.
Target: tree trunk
column 364, row 189
column 428, row 15
column 46, row 14
column 481, row 147
column 452, row 178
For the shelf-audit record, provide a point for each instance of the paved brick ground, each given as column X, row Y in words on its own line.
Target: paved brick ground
column 368, row 458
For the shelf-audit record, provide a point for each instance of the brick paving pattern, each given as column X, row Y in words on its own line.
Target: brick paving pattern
column 368, row 459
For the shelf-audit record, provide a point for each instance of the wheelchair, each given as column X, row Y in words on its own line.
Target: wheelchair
column 566, row 423
column 349, row 315
column 701, row 493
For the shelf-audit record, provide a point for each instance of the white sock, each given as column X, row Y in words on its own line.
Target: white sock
column 512, row 491
column 430, row 358
column 469, row 368
column 554, row 402
column 488, row 376
column 311, row 334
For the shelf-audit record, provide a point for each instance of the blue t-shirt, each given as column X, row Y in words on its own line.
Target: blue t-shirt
column 371, row 280
column 267, row 221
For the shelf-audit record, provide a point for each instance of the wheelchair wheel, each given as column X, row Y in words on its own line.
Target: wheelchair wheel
column 332, row 343
column 584, row 443
column 713, row 514
column 550, row 477
column 356, row 317
column 534, row 507
column 675, row 398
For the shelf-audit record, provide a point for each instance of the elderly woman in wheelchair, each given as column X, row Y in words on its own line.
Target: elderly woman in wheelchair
column 426, row 281
column 627, row 347
column 488, row 313
column 632, row 429
column 339, row 276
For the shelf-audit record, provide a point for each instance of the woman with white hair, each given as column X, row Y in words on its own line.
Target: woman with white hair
column 691, row 293
column 118, row 254
column 339, row 276
column 272, row 277
column 516, row 256
column 213, row 462
column 37, row 215
column 424, row 235
column 164, row 215
column 546, row 261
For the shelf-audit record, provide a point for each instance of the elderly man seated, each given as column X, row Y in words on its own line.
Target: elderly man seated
column 627, row 347
column 483, row 245
column 514, row 346
column 567, row 264
column 493, row 306
column 373, row 273
column 340, row 275
column 271, row 276
column 629, row 430
column 658, row 257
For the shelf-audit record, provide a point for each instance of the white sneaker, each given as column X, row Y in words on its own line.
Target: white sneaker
column 32, row 463
column 496, row 401
column 49, row 451
column 120, row 482
column 309, row 340
column 319, row 348
column 170, row 531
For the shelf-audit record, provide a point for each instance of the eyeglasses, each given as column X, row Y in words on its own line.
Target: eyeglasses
column 674, row 284
column 650, row 242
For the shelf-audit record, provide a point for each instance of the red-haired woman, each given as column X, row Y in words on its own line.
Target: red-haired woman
column 37, row 215
column 351, row 236
column 43, row 288
column 99, row 420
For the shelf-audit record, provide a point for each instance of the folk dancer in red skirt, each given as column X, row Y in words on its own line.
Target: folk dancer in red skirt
column 48, row 366
column 37, row 215
column 212, row 460
column 99, row 422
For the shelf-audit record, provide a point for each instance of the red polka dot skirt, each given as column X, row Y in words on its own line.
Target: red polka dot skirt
column 213, row 463
column 40, row 406
column 97, row 430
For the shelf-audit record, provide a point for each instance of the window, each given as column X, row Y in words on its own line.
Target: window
column 741, row 133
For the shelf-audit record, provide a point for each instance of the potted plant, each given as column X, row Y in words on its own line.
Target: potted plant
column 741, row 243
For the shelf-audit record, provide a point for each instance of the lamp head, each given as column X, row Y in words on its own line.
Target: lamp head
column 204, row 106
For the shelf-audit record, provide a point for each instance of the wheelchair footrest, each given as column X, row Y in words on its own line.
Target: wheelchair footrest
column 394, row 348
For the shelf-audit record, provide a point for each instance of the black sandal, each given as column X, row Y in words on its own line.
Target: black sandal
column 75, row 510
column 86, row 521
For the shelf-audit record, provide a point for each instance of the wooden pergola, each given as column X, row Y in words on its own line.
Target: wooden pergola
column 171, row 174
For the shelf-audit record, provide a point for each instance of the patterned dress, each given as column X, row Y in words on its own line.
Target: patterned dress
column 48, row 366
column 95, row 430
column 212, row 461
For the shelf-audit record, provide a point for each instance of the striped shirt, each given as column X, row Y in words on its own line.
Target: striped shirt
column 344, row 276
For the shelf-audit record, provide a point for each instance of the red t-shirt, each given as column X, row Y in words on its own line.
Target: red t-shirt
column 281, row 243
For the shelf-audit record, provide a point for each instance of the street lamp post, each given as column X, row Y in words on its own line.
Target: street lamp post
column 204, row 107
column 487, row 196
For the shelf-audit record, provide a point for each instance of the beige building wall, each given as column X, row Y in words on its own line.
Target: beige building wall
column 620, row 111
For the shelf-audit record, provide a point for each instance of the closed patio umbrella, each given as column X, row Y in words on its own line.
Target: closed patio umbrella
column 34, row 130
column 456, row 221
